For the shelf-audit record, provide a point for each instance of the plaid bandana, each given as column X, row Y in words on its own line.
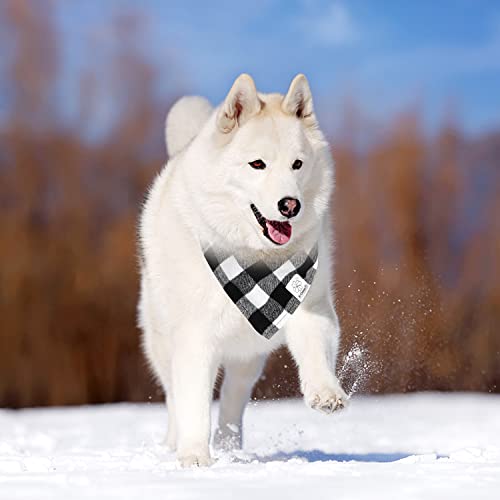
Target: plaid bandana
column 267, row 294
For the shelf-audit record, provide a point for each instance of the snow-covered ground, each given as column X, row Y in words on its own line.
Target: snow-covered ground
column 423, row 446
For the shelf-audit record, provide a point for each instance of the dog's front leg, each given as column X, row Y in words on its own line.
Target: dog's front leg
column 194, row 367
column 313, row 336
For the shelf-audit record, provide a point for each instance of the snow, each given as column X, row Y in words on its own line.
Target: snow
column 423, row 446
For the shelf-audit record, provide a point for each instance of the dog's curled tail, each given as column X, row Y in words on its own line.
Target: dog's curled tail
column 184, row 120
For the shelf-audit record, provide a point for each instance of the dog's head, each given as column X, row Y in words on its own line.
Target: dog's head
column 272, row 169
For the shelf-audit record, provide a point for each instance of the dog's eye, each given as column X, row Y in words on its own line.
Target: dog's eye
column 297, row 164
column 258, row 164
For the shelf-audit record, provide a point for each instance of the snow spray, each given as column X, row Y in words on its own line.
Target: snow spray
column 355, row 369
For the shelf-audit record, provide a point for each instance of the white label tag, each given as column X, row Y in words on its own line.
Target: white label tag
column 298, row 287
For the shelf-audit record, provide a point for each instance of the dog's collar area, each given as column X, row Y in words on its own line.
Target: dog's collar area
column 267, row 292
column 275, row 231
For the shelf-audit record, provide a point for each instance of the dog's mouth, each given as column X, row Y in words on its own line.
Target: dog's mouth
column 276, row 231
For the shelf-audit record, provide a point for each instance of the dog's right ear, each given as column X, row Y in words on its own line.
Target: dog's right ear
column 241, row 103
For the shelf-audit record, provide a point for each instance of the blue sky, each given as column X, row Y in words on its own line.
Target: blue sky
column 385, row 55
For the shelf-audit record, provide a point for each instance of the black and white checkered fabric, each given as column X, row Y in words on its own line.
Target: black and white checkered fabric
column 267, row 294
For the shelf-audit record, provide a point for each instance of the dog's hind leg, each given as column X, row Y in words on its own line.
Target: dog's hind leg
column 239, row 379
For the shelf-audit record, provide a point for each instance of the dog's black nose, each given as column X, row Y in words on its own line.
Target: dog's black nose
column 289, row 207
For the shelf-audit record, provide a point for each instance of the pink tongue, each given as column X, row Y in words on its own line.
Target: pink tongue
column 279, row 232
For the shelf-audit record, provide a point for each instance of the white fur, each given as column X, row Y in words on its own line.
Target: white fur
column 203, row 195
column 184, row 121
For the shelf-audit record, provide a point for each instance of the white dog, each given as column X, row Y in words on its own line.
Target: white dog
column 252, row 177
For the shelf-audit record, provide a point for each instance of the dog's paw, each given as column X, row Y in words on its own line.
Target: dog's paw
column 195, row 460
column 326, row 400
column 228, row 438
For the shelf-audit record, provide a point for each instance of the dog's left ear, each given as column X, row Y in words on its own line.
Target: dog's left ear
column 241, row 103
column 298, row 100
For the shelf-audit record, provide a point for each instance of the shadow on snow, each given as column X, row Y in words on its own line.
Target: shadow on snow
column 321, row 456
